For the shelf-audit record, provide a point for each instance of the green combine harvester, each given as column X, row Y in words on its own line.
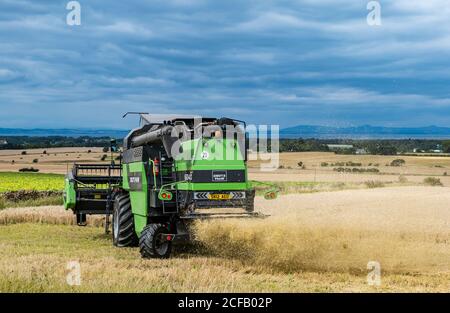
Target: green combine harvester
column 173, row 170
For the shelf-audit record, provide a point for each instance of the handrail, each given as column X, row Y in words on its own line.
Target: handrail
column 163, row 187
column 153, row 171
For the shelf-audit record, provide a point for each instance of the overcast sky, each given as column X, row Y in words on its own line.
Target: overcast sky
column 313, row 62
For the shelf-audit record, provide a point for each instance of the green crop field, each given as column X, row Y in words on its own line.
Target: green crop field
column 10, row 181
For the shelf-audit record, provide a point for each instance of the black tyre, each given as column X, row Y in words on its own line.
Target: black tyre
column 124, row 234
column 250, row 201
column 152, row 244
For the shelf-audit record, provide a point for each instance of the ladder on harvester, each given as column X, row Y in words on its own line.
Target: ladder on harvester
column 167, row 176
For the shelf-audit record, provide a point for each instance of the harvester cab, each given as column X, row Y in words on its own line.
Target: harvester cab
column 174, row 169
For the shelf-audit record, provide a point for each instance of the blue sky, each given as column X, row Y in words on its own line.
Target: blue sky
column 271, row 62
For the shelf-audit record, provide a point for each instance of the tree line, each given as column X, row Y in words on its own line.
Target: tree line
column 370, row 146
column 27, row 142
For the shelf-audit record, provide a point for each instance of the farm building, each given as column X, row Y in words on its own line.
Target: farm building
column 339, row 147
column 361, row 151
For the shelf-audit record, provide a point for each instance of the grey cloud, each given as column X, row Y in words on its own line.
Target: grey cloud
column 287, row 62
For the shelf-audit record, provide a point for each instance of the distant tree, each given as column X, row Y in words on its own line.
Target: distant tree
column 382, row 149
column 345, row 151
column 446, row 146
column 398, row 162
column 29, row 169
column 432, row 181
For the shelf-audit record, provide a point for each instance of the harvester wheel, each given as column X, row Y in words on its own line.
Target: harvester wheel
column 152, row 242
column 124, row 234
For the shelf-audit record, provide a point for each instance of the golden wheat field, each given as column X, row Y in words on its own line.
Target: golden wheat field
column 319, row 241
column 416, row 168
column 311, row 242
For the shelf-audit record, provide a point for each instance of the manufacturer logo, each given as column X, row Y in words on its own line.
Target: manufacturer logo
column 219, row 176
column 205, row 155
column 188, row 176
column 135, row 180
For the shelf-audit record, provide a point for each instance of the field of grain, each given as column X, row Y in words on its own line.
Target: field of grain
column 416, row 168
column 53, row 160
column 311, row 242
column 321, row 234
